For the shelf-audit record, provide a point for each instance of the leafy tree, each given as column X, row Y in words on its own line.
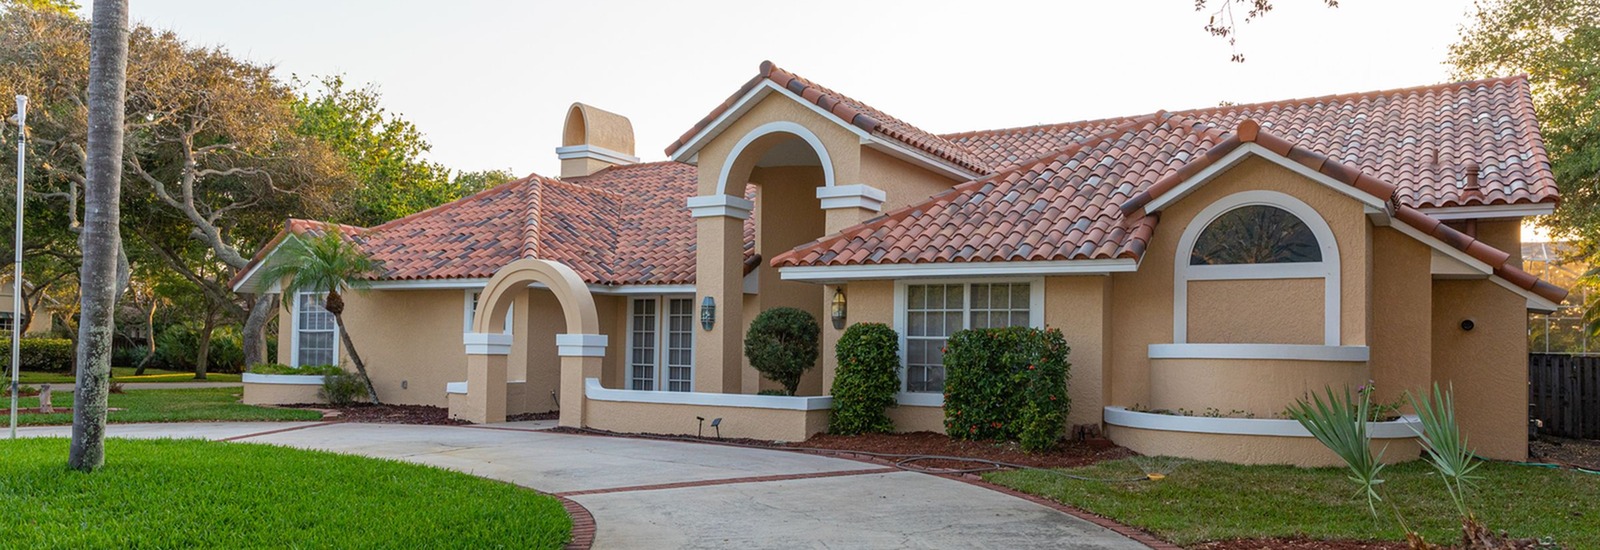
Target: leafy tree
column 1224, row 25
column 58, row 7
column 782, row 345
column 328, row 263
column 108, row 66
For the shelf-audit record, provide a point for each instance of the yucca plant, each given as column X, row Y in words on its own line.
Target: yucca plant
column 1444, row 444
column 1340, row 424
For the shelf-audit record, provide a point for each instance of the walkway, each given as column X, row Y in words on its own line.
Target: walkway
column 661, row 494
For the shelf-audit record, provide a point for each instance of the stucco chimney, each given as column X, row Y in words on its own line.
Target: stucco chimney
column 593, row 140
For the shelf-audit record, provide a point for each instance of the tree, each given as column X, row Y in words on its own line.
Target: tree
column 328, row 263
column 108, row 66
column 1222, row 23
column 782, row 345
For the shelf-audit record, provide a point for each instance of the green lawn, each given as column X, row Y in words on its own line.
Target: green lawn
column 190, row 405
column 1203, row 501
column 200, row 494
column 124, row 374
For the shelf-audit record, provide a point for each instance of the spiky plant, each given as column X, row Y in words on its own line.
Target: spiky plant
column 1445, row 445
column 1340, row 424
column 328, row 263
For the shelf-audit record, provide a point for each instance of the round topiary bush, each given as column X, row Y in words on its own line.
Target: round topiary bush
column 782, row 345
column 868, row 378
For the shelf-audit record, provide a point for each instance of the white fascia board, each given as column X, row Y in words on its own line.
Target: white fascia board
column 1536, row 303
column 720, row 205
column 1238, row 155
column 1286, row 352
column 766, row 87
column 593, row 390
column 828, row 274
column 1489, row 212
column 1408, row 426
column 595, row 152
column 455, row 387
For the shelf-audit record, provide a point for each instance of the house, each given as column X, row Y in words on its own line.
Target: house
column 41, row 322
column 1224, row 261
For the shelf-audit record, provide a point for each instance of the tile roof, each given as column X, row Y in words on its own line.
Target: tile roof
column 854, row 112
column 622, row 225
column 1419, row 139
column 1087, row 202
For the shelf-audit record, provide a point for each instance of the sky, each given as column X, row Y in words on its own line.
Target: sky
column 489, row 82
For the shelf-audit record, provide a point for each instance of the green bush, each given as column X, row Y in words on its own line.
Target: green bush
column 178, row 347
column 782, row 345
column 342, row 388
column 867, row 380
column 1007, row 383
column 305, row 370
column 40, row 354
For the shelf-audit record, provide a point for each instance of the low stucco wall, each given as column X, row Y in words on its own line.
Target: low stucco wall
column 917, row 419
column 1249, row 449
column 1264, row 387
column 675, row 419
column 257, row 393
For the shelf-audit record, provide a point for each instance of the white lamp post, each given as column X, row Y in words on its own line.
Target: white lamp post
column 16, row 250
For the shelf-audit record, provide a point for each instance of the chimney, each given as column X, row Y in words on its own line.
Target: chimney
column 593, row 140
column 1472, row 179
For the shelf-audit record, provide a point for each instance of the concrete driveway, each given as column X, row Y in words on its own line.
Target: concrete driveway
column 661, row 494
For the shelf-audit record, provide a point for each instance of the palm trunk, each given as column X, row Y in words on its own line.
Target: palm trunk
column 101, row 238
column 361, row 366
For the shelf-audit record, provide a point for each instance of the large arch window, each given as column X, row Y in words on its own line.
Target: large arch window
column 1258, row 235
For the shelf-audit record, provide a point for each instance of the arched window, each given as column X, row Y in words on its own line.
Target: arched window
column 1257, row 235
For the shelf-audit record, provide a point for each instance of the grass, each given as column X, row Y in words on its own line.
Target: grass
column 1205, row 501
column 201, row 494
column 187, row 405
column 125, row 374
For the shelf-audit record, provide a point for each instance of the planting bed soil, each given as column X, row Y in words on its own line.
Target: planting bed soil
column 1583, row 453
column 525, row 417
column 1298, row 544
column 1068, row 454
column 387, row 414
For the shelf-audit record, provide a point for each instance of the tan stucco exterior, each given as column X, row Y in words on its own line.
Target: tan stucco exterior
column 1270, row 311
column 280, row 394
column 737, row 422
column 1487, row 366
column 1251, row 449
column 1237, row 387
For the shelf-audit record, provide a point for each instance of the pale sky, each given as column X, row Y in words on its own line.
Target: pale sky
column 489, row 82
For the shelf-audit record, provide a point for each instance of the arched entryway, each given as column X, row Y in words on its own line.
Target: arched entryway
column 581, row 348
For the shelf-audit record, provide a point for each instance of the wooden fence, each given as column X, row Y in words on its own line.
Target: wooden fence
column 1564, row 393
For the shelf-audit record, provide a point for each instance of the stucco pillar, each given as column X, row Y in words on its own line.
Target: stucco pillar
column 582, row 357
column 719, row 274
column 486, row 378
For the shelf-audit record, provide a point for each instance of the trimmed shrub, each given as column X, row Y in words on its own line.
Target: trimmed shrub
column 342, row 388
column 782, row 345
column 40, row 354
column 1008, row 384
column 868, row 378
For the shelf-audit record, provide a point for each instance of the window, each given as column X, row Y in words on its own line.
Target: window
column 661, row 343
column 7, row 321
column 1255, row 234
column 470, row 311
column 934, row 311
column 316, row 336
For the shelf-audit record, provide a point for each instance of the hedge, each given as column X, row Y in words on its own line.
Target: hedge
column 40, row 354
column 867, row 379
column 1007, row 384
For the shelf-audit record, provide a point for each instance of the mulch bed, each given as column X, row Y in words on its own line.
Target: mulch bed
column 1298, row 544
column 1069, row 454
column 1583, row 453
column 386, row 414
column 525, row 417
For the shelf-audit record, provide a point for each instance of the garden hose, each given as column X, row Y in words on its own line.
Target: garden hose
column 904, row 462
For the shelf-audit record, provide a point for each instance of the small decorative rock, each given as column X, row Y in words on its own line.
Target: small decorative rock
column 44, row 399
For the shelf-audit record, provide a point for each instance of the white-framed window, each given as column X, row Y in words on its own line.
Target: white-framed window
column 1257, row 235
column 928, row 312
column 469, row 310
column 660, row 348
column 315, row 334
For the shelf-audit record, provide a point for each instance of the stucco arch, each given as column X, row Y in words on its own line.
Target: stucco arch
column 590, row 125
column 577, row 304
column 774, row 130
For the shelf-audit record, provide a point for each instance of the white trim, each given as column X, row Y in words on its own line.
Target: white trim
column 1290, row 352
column 1327, row 269
column 1406, row 427
column 294, row 331
column 710, row 206
column 1487, row 212
column 1440, row 246
column 284, row 379
column 840, row 273
column 467, row 311
column 1536, row 303
column 595, row 152
column 1238, row 155
column 593, row 390
column 775, row 127
column 455, row 387
column 857, row 195
column 1445, row 266
column 930, row 399
column 479, row 343
column 581, row 345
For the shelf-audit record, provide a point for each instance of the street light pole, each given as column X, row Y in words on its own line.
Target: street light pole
column 16, row 250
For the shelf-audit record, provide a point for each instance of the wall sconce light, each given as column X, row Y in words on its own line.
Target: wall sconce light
column 708, row 313
column 839, row 309
column 1468, row 324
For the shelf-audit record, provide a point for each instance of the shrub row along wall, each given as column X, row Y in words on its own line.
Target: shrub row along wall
column 1007, row 383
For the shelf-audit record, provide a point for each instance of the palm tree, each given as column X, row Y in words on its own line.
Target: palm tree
column 329, row 263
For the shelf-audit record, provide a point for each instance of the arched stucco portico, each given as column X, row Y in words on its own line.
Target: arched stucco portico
column 581, row 349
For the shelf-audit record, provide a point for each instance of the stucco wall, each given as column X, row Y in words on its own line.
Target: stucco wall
column 787, row 215
column 1401, row 343
column 737, row 422
column 1079, row 306
column 1250, row 449
column 41, row 322
column 1261, row 387
column 1487, row 366
column 903, row 183
column 1268, row 311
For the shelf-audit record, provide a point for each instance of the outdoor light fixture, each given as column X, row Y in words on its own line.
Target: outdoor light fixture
column 708, row 313
column 717, row 423
column 838, row 312
column 1467, row 324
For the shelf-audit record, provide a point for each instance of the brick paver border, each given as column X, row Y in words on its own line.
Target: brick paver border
column 1138, row 535
column 278, row 431
column 582, row 524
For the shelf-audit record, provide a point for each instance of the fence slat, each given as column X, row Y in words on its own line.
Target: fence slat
column 1564, row 393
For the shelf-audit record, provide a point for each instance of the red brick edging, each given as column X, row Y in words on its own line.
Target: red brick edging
column 582, row 524
column 1136, row 534
column 277, row 431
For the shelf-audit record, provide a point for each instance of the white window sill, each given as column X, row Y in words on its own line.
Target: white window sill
column 1290, row 352
column 920, row 399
